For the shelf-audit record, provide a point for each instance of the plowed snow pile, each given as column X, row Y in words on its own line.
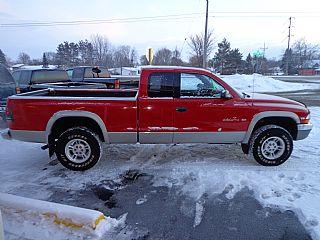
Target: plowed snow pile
column 244, row 83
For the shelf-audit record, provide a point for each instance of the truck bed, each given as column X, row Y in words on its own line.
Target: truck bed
column 80, row 93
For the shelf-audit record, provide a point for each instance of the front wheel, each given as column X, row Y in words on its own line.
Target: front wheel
column 271, row 145
column 78, row 149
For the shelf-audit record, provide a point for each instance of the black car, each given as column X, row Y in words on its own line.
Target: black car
column 7, row 88
column 37, row 79
column 26, row 79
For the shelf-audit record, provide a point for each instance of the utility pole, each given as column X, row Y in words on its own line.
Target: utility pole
column 289, row 35
column 204, row 65
column 264, row 49
column 288, row 48
column 263, row 62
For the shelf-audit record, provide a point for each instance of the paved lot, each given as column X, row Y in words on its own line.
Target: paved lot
column 299, row 79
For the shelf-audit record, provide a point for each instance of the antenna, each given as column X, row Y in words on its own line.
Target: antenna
column 253, row 82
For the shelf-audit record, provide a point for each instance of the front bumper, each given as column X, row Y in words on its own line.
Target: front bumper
column 303, row 131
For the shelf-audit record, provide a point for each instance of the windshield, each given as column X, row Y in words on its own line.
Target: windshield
column 49, row 76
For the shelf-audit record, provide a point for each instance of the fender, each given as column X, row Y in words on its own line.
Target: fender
column 256, row 118
column 77, row 113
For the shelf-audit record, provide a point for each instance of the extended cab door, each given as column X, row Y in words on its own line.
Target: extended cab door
column 156, row 108
column 202, row 115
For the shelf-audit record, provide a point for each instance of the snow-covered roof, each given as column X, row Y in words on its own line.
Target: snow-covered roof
column 35, row 67
column 18, row 65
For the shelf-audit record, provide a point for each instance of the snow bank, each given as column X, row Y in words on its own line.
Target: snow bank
column 1, row 227
column 39, row 219
column 244, row 83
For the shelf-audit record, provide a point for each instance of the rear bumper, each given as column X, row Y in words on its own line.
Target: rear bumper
column 2, row 112
column 303, row 131
column 6, row 135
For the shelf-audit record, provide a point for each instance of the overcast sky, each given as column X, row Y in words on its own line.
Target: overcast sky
column 247, row 24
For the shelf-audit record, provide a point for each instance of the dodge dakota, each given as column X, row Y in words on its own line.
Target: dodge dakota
column 171, row 105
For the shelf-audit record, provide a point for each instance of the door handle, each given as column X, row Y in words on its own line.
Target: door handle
column 181, row 109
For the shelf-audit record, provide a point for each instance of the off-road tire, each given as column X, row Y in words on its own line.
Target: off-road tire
column 85, row 135
column 264, row 133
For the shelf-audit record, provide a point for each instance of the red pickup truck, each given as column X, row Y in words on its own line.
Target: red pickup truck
column 171, row 105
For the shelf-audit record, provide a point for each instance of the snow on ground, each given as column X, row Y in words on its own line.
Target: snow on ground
column 196, row 168
column 244, row 83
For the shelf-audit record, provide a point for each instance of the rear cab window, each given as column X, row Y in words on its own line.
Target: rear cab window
column 52, row 76
column 160, row 85
column 96, row 72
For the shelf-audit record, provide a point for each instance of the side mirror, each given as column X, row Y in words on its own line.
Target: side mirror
column 226, row 95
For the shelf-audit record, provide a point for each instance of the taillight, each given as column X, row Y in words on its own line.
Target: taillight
column 9, row 112
column 117, row 84
column 9, row 115
column 18, row 90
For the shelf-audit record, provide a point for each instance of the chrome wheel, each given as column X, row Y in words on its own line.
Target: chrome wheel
column 78, row 150
column 273, row 148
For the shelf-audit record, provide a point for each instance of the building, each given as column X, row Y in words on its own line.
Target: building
column 310, row 68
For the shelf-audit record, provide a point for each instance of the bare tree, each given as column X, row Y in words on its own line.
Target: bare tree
column 163, row 57
column 102, row 49
column 176, row 58
column 303, row 52
column 24, row 58
column 143, row 60
column 196, row 44
column 122, row 56
column 51, row 57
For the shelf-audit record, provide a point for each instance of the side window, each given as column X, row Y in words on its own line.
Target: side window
column 88, row 73
column 70, row 72
column 16, row 76
column 161, row 85
column 197, row 85
column 77, row 73
column 25, row 77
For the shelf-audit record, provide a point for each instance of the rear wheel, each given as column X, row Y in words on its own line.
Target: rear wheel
column 271, row 145
column 78, row 149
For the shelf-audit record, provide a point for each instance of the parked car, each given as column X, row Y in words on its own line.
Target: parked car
column 172, row 105
column 7, row 88
column 37, row 79
column 101, row 75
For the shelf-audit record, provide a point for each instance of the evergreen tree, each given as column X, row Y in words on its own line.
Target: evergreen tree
column 221, row 56
column 3, row 59
column 227, row 60
column 287, row 63
column 248, row 68
column 85, row 52
column 235, row 59
column 45, row 63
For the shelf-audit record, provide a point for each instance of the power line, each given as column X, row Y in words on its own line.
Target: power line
column 153, row 18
